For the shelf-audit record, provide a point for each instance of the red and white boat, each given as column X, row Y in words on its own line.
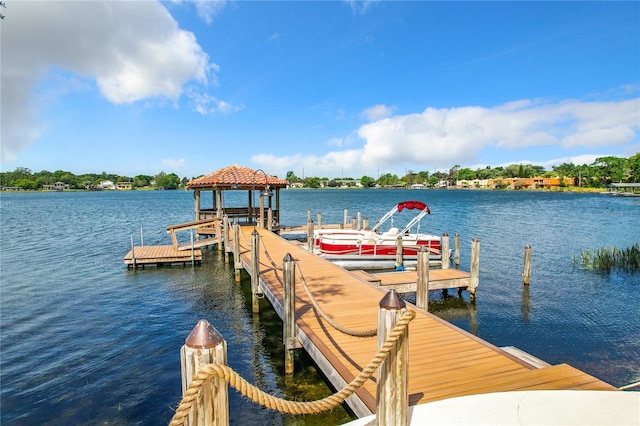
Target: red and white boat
column 375, row 248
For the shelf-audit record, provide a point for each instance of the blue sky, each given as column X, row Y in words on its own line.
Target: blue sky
column 328, row 88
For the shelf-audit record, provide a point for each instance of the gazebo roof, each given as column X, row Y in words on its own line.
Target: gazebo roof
column 239, row 176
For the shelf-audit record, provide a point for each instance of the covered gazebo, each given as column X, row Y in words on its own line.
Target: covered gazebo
column 240, row 178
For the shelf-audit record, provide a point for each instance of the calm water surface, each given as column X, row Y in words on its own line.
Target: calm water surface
column 84, row 340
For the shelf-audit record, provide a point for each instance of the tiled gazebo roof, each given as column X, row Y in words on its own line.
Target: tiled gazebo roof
column 243, row 177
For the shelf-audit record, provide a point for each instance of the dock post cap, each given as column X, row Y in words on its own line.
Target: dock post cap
column 392, row 300
column 254, row 232
column 288, row 258
column 203, row 336
column 445, row 234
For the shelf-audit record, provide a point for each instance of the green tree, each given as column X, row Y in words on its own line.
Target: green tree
column 633, row 168
column 367, row 182
column 609, row 169
column 26, row 183
column 291, row 177
column 312, row 182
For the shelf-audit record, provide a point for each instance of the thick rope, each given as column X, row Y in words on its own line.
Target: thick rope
column 356, row 333
column 275, row 266
column 289, row 407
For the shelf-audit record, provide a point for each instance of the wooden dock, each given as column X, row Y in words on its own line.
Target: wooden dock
column 142, row 256
column 444, row 361
column 406, row 281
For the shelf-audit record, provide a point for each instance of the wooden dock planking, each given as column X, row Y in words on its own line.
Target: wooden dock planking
column 160, row 255
column 406, row 281
column 444, row 361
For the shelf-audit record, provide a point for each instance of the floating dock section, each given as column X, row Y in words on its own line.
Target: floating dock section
column 161, row 256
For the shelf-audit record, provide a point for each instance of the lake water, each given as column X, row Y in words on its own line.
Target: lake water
column 84, row 340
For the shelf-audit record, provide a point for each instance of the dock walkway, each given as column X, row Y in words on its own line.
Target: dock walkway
column 444, row 361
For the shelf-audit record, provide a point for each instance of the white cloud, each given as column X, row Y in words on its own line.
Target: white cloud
column 360, row 7
column 132, row 50
column 439, row 138
column 174, row 164
column 377, row 112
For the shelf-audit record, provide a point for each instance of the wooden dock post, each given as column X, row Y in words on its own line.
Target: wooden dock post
column 422, row 290
column 308, row 215
column 346, row 217
column 365, row 223
column 133, row 254
column 399, row 254
column 141, row 237
column 255, row 271
column 236, row 251
column 526, row 272
column 319, row 220
column 456, row 244
column 224, row 238
column 290, row 334
column 475, row 267
column 310, row 240
column 444, row 250
column 270, row 219
column 219, row 234
column 193, row 250
column 203, row 346
column 393, row 373
column 359, row 220
column 354, row 223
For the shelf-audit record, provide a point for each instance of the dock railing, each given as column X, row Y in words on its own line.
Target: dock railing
column 206, row 375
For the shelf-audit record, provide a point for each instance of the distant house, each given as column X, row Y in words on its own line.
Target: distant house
column 123, row 186
column 107, row 184
column 298, row 184
column 58, row 186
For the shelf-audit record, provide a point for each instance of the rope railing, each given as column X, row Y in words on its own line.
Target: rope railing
column 289, row 407
column 352, row 332
column 266, row 252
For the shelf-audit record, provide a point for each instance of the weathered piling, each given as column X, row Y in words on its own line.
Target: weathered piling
column 475, row 267
column 255, row 271
column 526, row 272
column 365, row 223
column 219, row 234
column 319, row 220
column 345, row 220
column 193, row 250
column 203, row 346
column 308, row 215
column 270, row 219
column 456, row 244
column 422, row 290
column 444, row 250
column 310, row 239
column 393, row 373
column 354, row 223
column 290, row 332
column 223, row 240
column 359, row 220
column 236, row 251
column 399, row 253
column 133, row 254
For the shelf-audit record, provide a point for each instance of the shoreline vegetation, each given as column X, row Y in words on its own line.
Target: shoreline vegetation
column 566, row 177
column 606, row 259
column 567, row 189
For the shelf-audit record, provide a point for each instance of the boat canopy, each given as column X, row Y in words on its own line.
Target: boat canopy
column 409, row 205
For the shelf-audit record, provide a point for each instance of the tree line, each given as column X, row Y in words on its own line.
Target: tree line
column 24, row 178
column 599, row 174
column 602, row 172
